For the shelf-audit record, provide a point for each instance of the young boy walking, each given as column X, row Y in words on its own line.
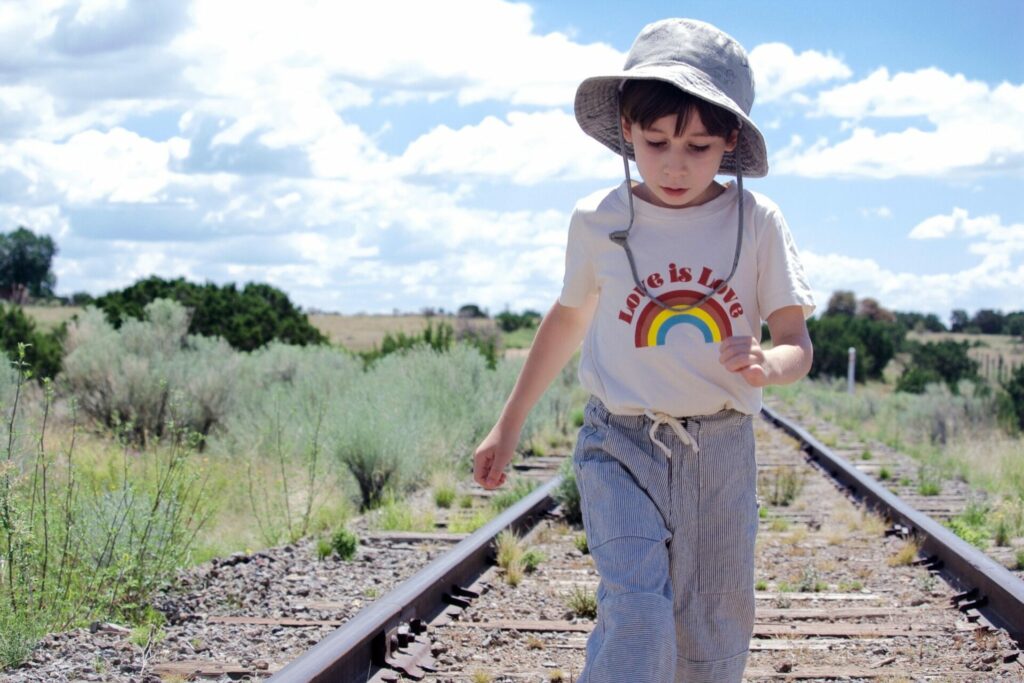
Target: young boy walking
column 669, row 280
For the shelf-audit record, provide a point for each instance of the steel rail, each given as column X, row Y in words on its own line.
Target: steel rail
column 360, row 648
column 987, row 586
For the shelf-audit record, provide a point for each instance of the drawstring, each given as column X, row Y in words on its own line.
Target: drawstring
column 658, row 419
column 620, row 236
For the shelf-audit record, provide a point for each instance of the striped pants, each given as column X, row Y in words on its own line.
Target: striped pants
column 673, row 541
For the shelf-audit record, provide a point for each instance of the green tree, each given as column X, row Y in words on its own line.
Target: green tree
column 43, row 351
column 842, row 302
column 876, row 343
column 988, row 321
column 247, row 319
column 25, row 261
column 959, row 320
column 945, row 361
column 1014, row 388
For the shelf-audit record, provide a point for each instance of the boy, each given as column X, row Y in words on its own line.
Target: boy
column 665, row 458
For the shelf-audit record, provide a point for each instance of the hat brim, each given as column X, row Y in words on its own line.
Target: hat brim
column 597, row 112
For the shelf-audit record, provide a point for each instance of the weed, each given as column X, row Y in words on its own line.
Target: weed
column 323, row 548
column 865, row 454
column 580, row 542
column 481, row 676
column 512, row 495
column 779, row 524
column 395, row 515
column 567, row 493
column 1002, row 533
column 782, row 484
column 465, row 501
column 534, row 643
column 762, row 512
column 761, row 585
column 854, row 586
column 556, row 676
column 532, row 559
column 444, row 490
column 466, row 524
column 507, row 549
column 906, row 554
column 582, row 602
column 884, row 474
column 1018, row 560
column 810, row 582
column 514, row 573
column 344, row 543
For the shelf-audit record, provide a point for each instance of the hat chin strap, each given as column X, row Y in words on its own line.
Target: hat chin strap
column 620, row 236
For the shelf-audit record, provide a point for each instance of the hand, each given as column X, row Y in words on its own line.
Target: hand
column 745, row 356
column 491, row 457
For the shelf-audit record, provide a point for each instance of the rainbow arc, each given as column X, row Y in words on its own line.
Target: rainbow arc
column 654, row 322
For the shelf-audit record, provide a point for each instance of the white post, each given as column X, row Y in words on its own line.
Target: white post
column 850, row 370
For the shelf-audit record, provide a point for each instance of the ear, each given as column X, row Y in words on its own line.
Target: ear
column 731, row 140
column 627, row 129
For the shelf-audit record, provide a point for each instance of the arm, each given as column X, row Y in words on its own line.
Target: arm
column 558, row 336
column 788, row 360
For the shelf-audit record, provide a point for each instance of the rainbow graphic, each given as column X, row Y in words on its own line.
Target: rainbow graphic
column 654, row 322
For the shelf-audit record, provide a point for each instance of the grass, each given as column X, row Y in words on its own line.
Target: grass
column 363, row 332
column 582, row 602
column 906, row 554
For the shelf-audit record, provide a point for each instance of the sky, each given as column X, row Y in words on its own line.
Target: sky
column 383, row 156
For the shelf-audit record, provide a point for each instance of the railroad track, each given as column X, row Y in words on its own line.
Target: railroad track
column 841, row 594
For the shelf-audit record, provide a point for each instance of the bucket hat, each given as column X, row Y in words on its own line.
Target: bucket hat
column 697, row 58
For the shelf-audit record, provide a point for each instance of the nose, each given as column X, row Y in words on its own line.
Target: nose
column 676, row 164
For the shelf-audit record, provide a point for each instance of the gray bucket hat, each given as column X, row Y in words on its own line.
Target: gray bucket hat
column 697, row 58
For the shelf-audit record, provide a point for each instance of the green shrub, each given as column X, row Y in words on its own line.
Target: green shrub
column 568, row 494
column 42, row 350
column 1013, row 405
column 876, row 343
column 945, row 361
column 138, row 378
column 512, row 494
column 246, row 319
column 344, row 544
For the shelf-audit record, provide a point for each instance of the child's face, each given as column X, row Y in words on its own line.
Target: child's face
column 677, row 171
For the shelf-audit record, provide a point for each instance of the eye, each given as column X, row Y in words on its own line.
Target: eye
column 657, row 144
column 700, row 148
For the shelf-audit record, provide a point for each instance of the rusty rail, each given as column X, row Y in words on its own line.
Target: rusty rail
column 985, row 585
column 374, row 639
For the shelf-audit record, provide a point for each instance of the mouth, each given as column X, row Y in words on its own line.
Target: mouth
column 674, row 191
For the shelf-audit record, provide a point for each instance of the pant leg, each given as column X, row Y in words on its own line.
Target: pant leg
column 714, row 511
column 627, row 535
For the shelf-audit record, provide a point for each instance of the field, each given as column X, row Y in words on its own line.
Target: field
column 992, row 351
column 362, row 332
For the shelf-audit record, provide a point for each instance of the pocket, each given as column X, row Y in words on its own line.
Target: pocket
column 727, row 514
column 614, row 505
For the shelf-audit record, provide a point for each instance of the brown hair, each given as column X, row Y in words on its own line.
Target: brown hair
column 646, row 101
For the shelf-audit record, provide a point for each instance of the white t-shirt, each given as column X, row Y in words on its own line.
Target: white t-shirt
column 638, row 356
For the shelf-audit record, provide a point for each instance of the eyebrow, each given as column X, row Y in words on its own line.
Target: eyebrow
column 698, row 134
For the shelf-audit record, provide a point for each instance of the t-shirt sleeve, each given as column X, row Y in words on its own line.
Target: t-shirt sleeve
column 580, row 281
column 780, row 275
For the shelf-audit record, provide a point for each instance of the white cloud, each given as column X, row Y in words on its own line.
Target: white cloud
column 877, row 212
column 994, row 282
column 778, row 71
column 972, row 128
column 957, row 222
column 525, row 148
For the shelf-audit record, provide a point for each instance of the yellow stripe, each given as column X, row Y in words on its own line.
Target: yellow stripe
column 664, row 315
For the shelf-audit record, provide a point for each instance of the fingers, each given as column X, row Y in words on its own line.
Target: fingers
column 486, row 473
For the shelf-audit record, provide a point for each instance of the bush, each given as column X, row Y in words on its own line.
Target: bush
column 938, row 361
column 246, row 319
column 568, row 494
column 149, row 372
column 876, row 343
column 42, row 352
column 1013, row 412
column 344, row 544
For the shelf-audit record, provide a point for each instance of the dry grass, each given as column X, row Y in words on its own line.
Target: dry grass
column 362, row 332
column 906, row 554
column 49, row 317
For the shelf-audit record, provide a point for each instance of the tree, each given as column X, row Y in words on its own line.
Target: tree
column 25, row 261
column 43, row 349
column 872, row 310
column 988, row 321
column 246, row 319
column 875, row 341
column 958, row 320
column 842, row 302
column 946, row 361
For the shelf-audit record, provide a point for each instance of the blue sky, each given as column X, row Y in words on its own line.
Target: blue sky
column 380, row 156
